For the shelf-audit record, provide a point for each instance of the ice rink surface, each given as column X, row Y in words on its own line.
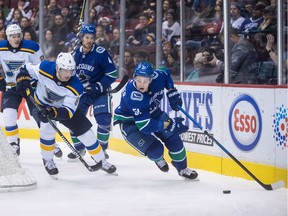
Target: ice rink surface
column 140, row 189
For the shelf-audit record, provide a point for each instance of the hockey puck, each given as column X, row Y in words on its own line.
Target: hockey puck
column 226, row 191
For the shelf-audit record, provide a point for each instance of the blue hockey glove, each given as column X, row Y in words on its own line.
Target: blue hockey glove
column 23, row 83
column 176, row 125
column 50, row 112
column 94, row 90
column 174, row 98
column 2, row 84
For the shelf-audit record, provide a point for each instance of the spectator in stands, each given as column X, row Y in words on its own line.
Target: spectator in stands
column 129, row 64
column 70, row 40
column 26, row 27
column 208, row 72
column 114, row 44
column 53, row 8
column 197, row 63
column 75, row 7
column 252, row 23
column 27, row 35
column 102, row 38
column 49, row 46
column 166, row 49
column 60, row 31
column 15, row 18
column 170, row 27
column 140, row 55
column 165, row 8
column 68, row 19
column 215, row 25
column 199, row 6
column 3, row 8
column 173, row 63
column 244, row 61
column 269, row 23
column 93, row 18
column 23, row 7
column 142, row 29
column 105, row 23
column 236, row 18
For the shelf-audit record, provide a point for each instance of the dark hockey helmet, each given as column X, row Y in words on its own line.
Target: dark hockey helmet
column 145, row 69
column 88, row 29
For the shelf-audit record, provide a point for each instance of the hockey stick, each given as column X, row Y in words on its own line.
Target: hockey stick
column 90, row 168
column 274, row 186
column 120, row 85
column 116, row 89
column 81, row 22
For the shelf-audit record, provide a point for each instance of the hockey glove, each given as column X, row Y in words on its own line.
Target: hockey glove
column 176, row 125
column 2, row 84
column 23, row 83
column 50, row 112
column 174, row 98
column 94, row 90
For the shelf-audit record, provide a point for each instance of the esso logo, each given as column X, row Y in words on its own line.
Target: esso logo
column 245, row 122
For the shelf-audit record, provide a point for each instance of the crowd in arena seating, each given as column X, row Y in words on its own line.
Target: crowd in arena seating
column 253, row 33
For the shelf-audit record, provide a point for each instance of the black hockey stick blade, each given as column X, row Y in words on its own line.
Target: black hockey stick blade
column 120, row 85
column 273, row 186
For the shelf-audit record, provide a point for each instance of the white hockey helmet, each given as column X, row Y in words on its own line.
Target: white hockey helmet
column 13, row 29
column 66, row 61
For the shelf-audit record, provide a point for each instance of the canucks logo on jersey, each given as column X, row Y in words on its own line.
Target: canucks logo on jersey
column 12, row 65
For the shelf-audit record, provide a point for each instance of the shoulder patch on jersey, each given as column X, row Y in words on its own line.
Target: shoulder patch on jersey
column 47, row 69
column 135, row 95
column 75, row 86
column 3, row 45
column 29, row 46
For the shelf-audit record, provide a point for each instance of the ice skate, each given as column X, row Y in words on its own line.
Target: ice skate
column 57, row 151
column 73, row 156
column 109, row 168
column 162, row 165
column 189, row 174
column 51, row 168
column 16, row 147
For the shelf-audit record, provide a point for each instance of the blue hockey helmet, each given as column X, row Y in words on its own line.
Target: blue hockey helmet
column 88, row 29
column 144, row 69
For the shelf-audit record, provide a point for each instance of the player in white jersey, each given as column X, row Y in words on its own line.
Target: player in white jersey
column 58, row 92
column 14, row 52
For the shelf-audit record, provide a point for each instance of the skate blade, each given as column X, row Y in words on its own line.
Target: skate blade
column 55, row 177
column 114, row 173
column 70, row 160
column 188, row 179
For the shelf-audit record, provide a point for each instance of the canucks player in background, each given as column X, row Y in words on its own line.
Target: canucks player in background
column 15, row 52
column 58, row 92
column 97, row 71
column 143, row 124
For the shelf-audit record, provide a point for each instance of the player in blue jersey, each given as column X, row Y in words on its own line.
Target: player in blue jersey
column 96, row 70
column 143, row 124
column 15, row 52
column 58, row 92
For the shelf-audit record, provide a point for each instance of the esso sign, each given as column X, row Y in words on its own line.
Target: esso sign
column 245, row 122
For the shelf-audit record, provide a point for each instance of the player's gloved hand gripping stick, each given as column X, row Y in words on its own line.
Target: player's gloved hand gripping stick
column 90, row 168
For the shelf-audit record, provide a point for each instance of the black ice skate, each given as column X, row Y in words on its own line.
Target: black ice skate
column 73, row 156
column 57, row 151
column 16, row 147
column 188, row 174
column 107, row 167
column 162, row 165
column 51, row 168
